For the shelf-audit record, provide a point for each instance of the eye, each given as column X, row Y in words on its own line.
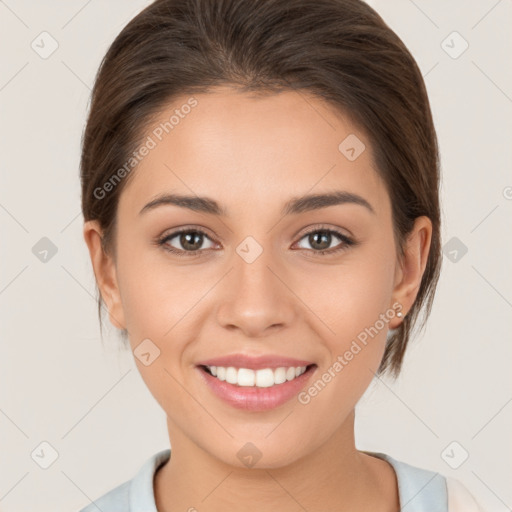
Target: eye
column 320, row 239
column 188, row 240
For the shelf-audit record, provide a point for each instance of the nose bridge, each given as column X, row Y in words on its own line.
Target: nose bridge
column 252, row 269
column 256, row 298
column 252, row 274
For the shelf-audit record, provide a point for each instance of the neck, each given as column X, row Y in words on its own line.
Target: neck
column 333, row 476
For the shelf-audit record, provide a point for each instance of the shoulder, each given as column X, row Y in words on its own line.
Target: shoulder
column 116, row 500
column 459, row 498
column 425, row 490
column 137, row 494
column 419, row 489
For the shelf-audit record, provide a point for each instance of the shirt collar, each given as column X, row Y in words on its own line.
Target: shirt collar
column 418, row 489
column 142, row 494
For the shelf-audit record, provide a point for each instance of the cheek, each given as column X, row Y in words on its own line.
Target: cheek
column 354, row 302
column 349, row 297
column 156, row 295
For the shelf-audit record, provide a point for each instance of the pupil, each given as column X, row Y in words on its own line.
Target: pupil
column 187, row 244
column 320, row 234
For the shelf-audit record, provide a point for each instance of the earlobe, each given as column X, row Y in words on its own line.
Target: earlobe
column 105, row 273
column 412, row 267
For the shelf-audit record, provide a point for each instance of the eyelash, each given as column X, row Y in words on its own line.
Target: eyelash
column 347, row 242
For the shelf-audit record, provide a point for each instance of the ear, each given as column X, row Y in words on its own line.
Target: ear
column 105, row 273
column 409, row 271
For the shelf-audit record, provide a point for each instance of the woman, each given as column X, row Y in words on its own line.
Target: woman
column 260, row 189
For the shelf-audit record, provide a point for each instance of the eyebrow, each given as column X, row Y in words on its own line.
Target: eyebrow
column 295, row 205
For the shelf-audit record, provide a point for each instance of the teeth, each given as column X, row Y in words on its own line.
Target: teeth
column 231, row 375
column 290, row 373
column 244, row 377
column 263, row 378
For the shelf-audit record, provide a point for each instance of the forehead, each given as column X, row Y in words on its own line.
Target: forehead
column 247, row 150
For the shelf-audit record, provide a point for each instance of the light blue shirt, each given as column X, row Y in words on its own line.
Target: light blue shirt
column 420, row 490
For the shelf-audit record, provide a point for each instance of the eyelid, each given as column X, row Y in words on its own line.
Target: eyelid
column 185, row 229
column 323, row 227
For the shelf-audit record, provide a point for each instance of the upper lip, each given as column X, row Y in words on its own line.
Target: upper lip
column 254, row 362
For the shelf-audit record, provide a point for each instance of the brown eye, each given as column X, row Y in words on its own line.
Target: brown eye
column 185, row 241
column 320, row 241
column 191, row 240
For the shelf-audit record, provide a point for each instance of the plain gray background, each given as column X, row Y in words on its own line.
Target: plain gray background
column 60, row 386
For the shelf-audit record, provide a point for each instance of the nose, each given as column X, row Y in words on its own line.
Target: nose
column 255, row 298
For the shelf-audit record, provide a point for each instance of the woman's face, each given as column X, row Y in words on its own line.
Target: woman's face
column 256, row 283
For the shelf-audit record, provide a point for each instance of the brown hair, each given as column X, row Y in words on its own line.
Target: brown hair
column 340, row 50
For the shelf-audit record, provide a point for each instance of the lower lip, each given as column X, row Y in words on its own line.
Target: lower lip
column 252, row 398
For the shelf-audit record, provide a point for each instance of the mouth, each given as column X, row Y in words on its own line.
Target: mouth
column 262, row 378
column 256, row 389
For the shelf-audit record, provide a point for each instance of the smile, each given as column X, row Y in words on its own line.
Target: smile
column 255, row 390
column 263, row 378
